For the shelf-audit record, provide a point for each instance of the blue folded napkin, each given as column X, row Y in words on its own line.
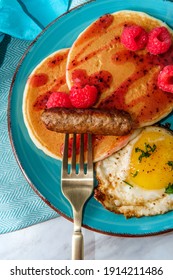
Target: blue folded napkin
column 20, row 22
column 24, row 19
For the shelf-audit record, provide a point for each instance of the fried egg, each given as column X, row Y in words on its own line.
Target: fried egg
column 138, row 179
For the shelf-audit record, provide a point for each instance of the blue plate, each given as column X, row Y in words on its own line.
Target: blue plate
column 43, row 172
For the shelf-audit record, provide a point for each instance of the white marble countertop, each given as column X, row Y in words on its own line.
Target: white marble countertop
column 51, row 240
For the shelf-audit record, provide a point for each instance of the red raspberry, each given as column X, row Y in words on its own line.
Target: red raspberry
column 165, row 79
column 134, row 37
column 159, row 40
column 59, row 99
column 83, row 97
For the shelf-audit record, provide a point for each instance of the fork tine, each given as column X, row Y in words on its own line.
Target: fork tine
column 77, row 188
column 90, row 156
column 65, row 154
column 81, row 162
column 73, row 162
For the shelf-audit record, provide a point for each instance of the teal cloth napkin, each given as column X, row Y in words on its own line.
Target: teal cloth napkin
column 20, row 207
column 24, row 19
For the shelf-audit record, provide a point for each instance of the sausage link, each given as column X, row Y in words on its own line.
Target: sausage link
column 94, row 121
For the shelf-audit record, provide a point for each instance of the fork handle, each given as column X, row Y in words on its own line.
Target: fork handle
column 77, row 246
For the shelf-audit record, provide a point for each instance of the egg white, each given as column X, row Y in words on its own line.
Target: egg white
column 115, row 193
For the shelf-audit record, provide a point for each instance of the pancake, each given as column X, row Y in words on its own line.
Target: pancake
column 98, row 55
column 126, row 80
column 47, row 77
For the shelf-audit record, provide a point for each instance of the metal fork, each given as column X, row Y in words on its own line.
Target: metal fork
column 77, row 186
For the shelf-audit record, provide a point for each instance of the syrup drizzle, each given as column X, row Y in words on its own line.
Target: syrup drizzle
column 38, row 80
column 144, row 63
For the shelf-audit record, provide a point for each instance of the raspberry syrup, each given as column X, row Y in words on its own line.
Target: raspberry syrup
column 70, row 145
column 38, row 80
column 41, row 100
column 98, row 27
column 56, row 60
column 101, row 80
column 144, row 63
column 146, row 106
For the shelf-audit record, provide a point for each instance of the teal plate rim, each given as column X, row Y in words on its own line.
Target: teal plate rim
column 32, row 160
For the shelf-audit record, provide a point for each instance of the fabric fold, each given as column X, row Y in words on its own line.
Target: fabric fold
column 20, row 206
column 24, row 19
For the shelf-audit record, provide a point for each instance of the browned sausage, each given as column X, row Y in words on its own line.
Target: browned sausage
column 95, row 121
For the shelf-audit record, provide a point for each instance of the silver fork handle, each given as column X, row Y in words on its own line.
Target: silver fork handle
column 77, row 246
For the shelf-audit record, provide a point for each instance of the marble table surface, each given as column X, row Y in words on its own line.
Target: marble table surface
column 51, row 240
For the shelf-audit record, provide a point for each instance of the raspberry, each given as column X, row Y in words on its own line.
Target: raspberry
column 159, row 40
column 134, row 37
column 83, row 97
column 165, row 79
column 59, row 99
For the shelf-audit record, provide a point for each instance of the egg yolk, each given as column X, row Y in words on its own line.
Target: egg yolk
column 151, row 164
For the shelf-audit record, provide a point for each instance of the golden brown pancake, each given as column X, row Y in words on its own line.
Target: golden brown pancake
column 47, row 77
column 126, row 79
